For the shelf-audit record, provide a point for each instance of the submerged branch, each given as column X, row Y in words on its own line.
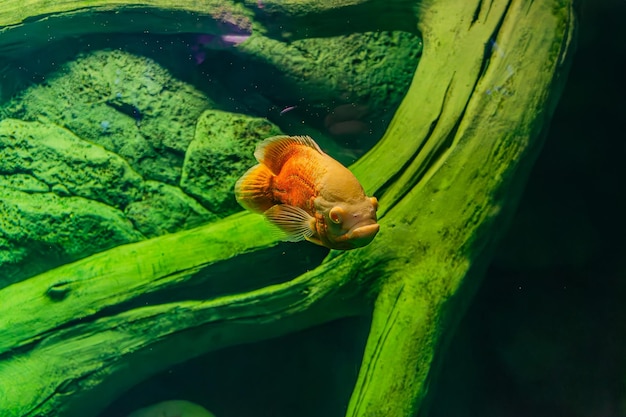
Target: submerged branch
column 80, row 290
column 450, row 169
column 83, row 359
column 491, row 126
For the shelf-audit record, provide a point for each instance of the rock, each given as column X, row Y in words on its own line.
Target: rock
column 24, row 182
column 64, row 198
column 129, row 104
column 370, row 71
column 165, row 209
column 173, row 408
column 39, row 231
column 222, row 150
column 53, row 157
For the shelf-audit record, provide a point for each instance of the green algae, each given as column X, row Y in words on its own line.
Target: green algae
column 448, row 173
column 129, row 104
column 221, row 152
column 41, row 231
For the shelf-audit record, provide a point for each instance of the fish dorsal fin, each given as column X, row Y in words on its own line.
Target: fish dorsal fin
column 294, row 222
column 274, row 151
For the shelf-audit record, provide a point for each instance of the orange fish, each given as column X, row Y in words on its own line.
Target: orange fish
column 308, row 194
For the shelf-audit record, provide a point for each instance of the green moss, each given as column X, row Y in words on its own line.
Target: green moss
column 129, row 104
column 42, row 230
column 449, row 169
column 163, row 209
column 372, row 70
column 222, row 150
column 55, row 157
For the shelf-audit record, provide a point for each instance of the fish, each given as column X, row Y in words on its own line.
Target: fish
column 308, row 195
column 287, row 109
column 347, row 119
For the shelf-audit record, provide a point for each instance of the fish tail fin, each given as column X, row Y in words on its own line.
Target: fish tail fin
column 252, row 190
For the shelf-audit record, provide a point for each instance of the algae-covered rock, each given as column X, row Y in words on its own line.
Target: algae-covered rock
column 95, row 200
column 172, row 408
column 129, row 104
column 165, row 209
column 372, row 66
column 39, row 231
column 222, row 150
column 370, row 70
column 24, row 182
column 55, row 158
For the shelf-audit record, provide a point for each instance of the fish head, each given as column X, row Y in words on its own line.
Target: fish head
column 352, row 225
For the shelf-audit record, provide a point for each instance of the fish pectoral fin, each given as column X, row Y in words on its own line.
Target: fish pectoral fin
column 293, row 221
column 315, row 240
column 252, row 190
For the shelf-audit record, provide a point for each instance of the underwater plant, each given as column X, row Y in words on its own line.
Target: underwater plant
column 447, row 173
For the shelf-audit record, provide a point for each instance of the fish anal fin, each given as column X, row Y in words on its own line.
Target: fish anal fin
column 252, row 190
column 293, row 221
column 275, row 151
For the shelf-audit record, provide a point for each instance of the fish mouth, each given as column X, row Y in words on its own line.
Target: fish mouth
column 361, row 236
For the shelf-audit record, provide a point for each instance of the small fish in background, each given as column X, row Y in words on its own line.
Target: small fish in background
column 287, row 109
column 204, row 42
column 230, row 31
column 308, row 194
column 347, row 119
column 126, row 108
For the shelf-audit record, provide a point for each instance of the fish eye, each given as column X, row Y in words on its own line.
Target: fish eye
column 336, row 214
column 374, row 201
